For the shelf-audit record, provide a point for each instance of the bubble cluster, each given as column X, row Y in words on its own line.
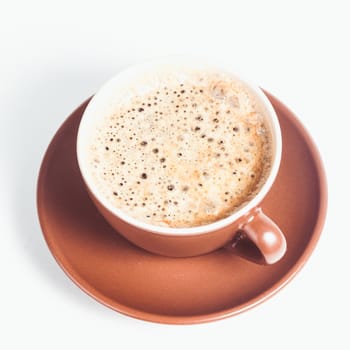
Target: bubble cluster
column 183, row 154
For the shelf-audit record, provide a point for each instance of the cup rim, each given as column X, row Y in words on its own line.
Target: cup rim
column 182, row 231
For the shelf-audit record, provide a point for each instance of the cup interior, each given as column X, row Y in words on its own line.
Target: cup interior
column 117, row 89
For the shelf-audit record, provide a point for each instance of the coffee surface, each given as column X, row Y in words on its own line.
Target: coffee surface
column 183, row 152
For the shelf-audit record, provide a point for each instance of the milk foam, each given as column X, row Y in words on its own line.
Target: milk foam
column 187, row 150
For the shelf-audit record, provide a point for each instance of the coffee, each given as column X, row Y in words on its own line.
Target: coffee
column 182, row 148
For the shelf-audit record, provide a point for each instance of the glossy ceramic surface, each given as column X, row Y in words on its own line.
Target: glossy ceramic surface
column 179, row 290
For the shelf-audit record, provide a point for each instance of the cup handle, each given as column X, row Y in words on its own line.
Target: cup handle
column 265, row 235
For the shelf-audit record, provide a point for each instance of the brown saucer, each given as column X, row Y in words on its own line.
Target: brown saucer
column 178, row 290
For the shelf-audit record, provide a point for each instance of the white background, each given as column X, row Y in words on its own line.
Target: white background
column 53, row 55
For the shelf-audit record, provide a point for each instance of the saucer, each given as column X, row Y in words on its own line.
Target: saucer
column 155, row 288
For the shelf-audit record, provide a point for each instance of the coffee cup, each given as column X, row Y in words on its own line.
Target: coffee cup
column 150, row 88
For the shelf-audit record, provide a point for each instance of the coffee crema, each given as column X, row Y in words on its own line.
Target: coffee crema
column 186, row 150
